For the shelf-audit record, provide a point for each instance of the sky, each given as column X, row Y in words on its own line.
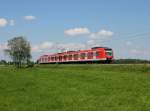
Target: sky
column 52, row 26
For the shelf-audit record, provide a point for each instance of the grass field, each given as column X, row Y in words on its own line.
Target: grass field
column 75, row 88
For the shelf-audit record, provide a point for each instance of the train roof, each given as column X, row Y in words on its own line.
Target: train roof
column 100, row 47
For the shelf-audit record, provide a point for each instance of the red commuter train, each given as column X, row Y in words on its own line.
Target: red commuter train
column 93, row 55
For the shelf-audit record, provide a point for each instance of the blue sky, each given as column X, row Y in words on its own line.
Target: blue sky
column 53, row 25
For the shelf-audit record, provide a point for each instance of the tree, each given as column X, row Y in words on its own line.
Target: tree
column 19, row 50
column 3, row 62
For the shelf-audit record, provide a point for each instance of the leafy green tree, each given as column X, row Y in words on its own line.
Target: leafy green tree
column 19, row 50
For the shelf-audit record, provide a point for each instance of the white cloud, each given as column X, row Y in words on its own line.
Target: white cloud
column 47, row 45
column 128, row 43
column 105, row 33
column 92, row 43
column 3, row 46
column 140, row 52
column 35, row 48
column 12, row 22
column 42, row 46
column 29, row 17
column 134, row 51
column 101, row 34
column 3, row 22
column 77, row 31
column 70, row 46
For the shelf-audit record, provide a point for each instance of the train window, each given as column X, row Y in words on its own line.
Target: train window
column 49, row 58
column 85, row 54
column 109, row 53
column 60, row 58
column 82, row 55
column 97, row 53
column 75, row 56
column 70, row 57
column 65, row 57
column 45, row 59
column 90, row 55
column 52, row 58
column 55, row 58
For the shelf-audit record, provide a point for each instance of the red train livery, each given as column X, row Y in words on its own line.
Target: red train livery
column 95, row 54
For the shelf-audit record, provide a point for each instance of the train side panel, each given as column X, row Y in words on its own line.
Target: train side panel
column 97, row 54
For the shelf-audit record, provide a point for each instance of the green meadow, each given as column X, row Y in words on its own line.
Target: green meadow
column 75, row 88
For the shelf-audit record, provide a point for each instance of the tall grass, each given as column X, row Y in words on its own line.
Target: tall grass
column 75, row 88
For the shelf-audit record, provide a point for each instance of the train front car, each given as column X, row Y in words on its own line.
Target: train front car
column 103, row 54
column 109, row 55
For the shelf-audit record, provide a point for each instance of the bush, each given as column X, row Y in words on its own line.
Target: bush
column 30, row 64
column 3, row 62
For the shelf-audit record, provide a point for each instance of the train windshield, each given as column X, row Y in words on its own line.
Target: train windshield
column 109, row 52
